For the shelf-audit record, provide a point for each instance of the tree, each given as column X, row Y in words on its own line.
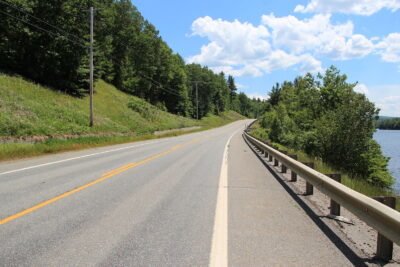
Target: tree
column 60, row 59
column 324, row 117
column 232, row 87
column 128, row 52
column 274, row 94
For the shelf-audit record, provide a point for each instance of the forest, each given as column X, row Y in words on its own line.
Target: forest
column 389, row 124
column 48, row 43
column 323, row 116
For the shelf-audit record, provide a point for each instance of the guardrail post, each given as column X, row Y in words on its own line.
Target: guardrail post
column 293, row 174
column 384, row 219
column 309, row 187
column 269, row 157
column 283, row 166
column 335, row 207
column 384, row 247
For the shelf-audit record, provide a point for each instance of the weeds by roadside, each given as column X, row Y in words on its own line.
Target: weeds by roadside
column 352, row 182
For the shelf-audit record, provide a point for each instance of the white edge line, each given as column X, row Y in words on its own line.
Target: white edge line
column 219, row 245
column 85, row 156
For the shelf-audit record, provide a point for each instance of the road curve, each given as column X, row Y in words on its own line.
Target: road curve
column 169, row 202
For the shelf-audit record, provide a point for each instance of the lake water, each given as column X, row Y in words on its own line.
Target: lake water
column 390, row 144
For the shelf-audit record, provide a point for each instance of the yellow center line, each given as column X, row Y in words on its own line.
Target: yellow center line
column 104, row 177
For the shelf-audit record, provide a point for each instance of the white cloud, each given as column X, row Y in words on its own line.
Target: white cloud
column 318, row 35
column 241, row 86
column 279, row 59
column 361, row 88
column 234, row 70
column 309, row 64
column 257, row 95
column 389, row 109
column 390, row 99
column 301, row 34
column 230, row 42
column 243, row 49
column 389, row 48
column 386, row 97
column 359, row 7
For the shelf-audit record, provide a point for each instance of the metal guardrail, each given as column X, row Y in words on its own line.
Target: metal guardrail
column 377, row 215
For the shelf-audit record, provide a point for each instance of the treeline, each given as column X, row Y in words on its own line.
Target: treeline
column 389, row 124
column 323, row 116
column 48, row 41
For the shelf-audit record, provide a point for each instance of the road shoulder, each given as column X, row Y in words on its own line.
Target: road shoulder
column 267, row 227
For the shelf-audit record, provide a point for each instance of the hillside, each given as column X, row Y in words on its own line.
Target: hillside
column 130, row 54
column 391, row 123
column 56, row 122
column 383, row 118
column 28, row 109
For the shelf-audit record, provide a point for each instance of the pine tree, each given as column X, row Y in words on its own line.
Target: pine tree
column 232, row 87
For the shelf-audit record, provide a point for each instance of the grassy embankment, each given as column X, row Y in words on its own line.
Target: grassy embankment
column 28, row 109
column 352, row 182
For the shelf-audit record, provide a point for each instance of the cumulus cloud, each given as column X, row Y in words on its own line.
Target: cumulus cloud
column 386, row 97
column 230, row 42
column 360, row 7
column 361, row 88
column 243, row 49
column 235, row 70
column 319, row 35
column 258, row 96
column 241, row 86
column 390, row 99
column 389, row 48
column 389, row 109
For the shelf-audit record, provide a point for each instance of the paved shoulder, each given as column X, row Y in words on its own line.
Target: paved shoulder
column 266, row 226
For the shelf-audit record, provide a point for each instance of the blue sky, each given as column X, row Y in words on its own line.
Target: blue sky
column 263, row 42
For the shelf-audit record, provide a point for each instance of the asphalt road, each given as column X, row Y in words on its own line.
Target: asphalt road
column 190, row 200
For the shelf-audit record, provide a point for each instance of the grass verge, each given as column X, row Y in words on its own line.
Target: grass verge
column 12, row 151
column 354, row 183
column 31, row 110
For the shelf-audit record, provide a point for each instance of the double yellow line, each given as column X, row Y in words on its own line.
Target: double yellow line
column 103, row 177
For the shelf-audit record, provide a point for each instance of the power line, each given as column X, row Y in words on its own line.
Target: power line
column 157, row 84
column 172, row 91
column 41, row 20
column 44, row 30
column 152, row 81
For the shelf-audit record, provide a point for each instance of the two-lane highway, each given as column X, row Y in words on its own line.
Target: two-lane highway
column 155, row 203
column 150, row 203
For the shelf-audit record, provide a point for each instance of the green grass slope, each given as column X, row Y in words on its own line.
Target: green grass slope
column 28, row 109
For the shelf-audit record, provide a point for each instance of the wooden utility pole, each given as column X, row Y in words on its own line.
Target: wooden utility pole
column 91, row 67
column 197, row 102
